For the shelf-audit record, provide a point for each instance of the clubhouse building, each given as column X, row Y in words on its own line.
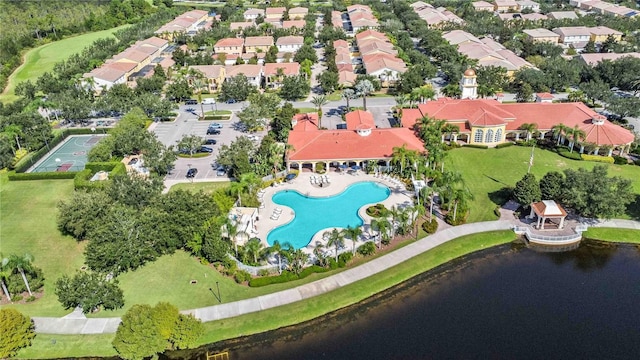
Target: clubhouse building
column 490, row 122
column 357, row 144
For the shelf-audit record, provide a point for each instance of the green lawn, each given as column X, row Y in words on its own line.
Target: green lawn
column 49, row 346
column 207, row 187
column 304, row 110
column 39, row 60
column 486, row 171
column 28, row 218
column 218, row 112
column 613, row 234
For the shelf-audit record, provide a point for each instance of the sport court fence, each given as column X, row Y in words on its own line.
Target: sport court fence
column 29, row 160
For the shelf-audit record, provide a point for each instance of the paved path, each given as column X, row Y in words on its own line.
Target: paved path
column 77, row 323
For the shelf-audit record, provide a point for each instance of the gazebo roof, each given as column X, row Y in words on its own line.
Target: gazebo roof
column 548, row 208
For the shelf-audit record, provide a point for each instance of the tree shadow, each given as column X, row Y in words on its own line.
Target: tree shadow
column 500, row 197
column 633, row 209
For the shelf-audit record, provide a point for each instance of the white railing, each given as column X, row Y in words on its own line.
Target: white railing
column 551, row 239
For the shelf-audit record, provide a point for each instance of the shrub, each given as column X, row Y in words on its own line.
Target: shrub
column 344, row 258
column 461, row 217
column 598, row 158
column 17, row 332
column 476, row 146
column 620, row 160
column 367, row 249
column 430, row 227
column 17, row 298
column 320, row 168
column 100, row 166
column 569, row 155
column 377, row 210
column 119, row 169
column 30, row 298
column 504, row 145
column 286, row 276
column 637, row 162
column 529, row 143
column 312, row 270
column 241, row 276
column 50, row 175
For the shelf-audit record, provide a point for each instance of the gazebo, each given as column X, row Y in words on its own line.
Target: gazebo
column 547, row 209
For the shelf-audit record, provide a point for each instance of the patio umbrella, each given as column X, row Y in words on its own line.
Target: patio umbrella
column 343, row 167
column 290, row 177
column 356, row 167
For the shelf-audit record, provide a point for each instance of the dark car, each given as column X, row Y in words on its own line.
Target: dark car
column 133, row 161
column 206, row 149
column 221, row 171
column 211, row 131
column 210, row 142
column 191, row 102
column 191, row 173
column 231, row 101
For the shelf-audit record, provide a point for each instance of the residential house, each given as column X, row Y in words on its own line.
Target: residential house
column 595, row 58
column 187, row 23
column 528, row 4
column 153, row 42
column 562, row 15
column 256, row 44
column 436, row 18
column 342, row 44
column 215, row 75
column 600, row 34
column 385, row 67
column 521, row 16
column 275, row 13
column 505, row 5
column 371, row 35
column 336, row 19
column 541, row 35
column 240, row 25
column 599, row 7
column 361, row 21
column 275, row 73
column 276, row 23
column 376, row 47
column 290, row 24
column 253, row 14
column 347, row 78
column 108, row 75
column 290, row 44
column 253, row 73
column 134, row 56
column 298, row 13
column 573, row 34
column 621, row 11
column 544, row 97
column 229, row 46
column 482, row 6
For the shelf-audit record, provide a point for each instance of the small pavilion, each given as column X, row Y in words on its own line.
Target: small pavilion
column 547, row 209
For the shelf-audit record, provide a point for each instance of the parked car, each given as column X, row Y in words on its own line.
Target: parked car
column 191, row 102
column 211, row 131
column 221, row 171
column 231, row 101
column 210, row 142
column 191, row 173
column 215, row 126
column 206, row 149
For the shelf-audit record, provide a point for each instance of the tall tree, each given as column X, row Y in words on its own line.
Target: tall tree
column 364, row 88
column 23, row 263
column 17, row 332
column 334, row 238
column 353, row 233
column 319, row 101
column 527, row 190
column 138, row 336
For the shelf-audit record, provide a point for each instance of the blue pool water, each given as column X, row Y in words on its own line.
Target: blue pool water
column 314, row 214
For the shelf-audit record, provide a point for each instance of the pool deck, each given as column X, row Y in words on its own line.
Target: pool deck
column 399, row 197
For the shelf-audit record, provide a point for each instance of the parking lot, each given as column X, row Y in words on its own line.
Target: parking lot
column 169, row 133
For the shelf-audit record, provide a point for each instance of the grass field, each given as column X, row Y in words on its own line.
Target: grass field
column 290, row 314
column 39, row 60
column 28, row 217
column 486, row 171
column 613, row 234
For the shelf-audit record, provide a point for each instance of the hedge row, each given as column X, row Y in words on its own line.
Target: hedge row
column 82, row 179
column 49, row 175
column 100, row 166
column 217, row 117
column 569, row 155
column 504, row 145
column 476, row 146
column 286, row 276
column 598, row 158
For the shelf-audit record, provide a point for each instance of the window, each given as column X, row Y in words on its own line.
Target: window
column 489, row 137
column 498, row 135
column 479, row 135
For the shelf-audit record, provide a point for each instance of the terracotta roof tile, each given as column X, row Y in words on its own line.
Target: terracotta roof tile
column 359, row 119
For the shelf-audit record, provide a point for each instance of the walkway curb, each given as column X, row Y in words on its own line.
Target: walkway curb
column 64, row 325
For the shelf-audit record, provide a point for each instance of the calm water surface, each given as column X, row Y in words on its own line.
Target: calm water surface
column 504, row 303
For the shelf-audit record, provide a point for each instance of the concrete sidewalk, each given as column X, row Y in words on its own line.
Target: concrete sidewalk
column 76, row 323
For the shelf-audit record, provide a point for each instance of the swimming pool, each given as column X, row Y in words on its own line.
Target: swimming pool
column 313, row 214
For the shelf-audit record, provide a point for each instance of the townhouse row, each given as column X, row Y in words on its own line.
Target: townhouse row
column 268, row 76
column 605, row 8
column 188, row 23
column 576, row 36
column 358, row 17
column 435, row 17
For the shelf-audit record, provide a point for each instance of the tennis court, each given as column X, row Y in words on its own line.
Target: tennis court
column 71, row 155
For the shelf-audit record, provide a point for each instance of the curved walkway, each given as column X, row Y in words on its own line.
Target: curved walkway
column 77, row 323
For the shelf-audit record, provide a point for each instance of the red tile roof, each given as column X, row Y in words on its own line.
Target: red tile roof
column 360, row 120
column 484, row 112
column 288, row 69
column 545, row 95
column 305, row 122
column 229, row 42
column 348, row 145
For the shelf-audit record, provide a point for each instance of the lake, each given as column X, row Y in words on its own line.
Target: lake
column 508, row 302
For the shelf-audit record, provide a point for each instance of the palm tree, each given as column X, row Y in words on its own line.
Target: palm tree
column 577, row 135
column 334, row 238
column 405, row 158
column 5, row 272
column 423, row 93
column 353, row 233
column 276, row 249
column 559, row 130
column 486, row 91
column 253, row 248
column 364, row 88
column 198, row 81
column 449, row 129
column 395, row 215
column 382, row 226
column 22, row 263
column 232, row 233
column 319, row 254
column 461, row 197
column 529, row 128
column 13, row 131
column 451, row 90
column 319, row 101
column 348, row 94
column 429, row 191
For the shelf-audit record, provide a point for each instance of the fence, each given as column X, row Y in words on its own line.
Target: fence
column 278, row 175
column 551, row 239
